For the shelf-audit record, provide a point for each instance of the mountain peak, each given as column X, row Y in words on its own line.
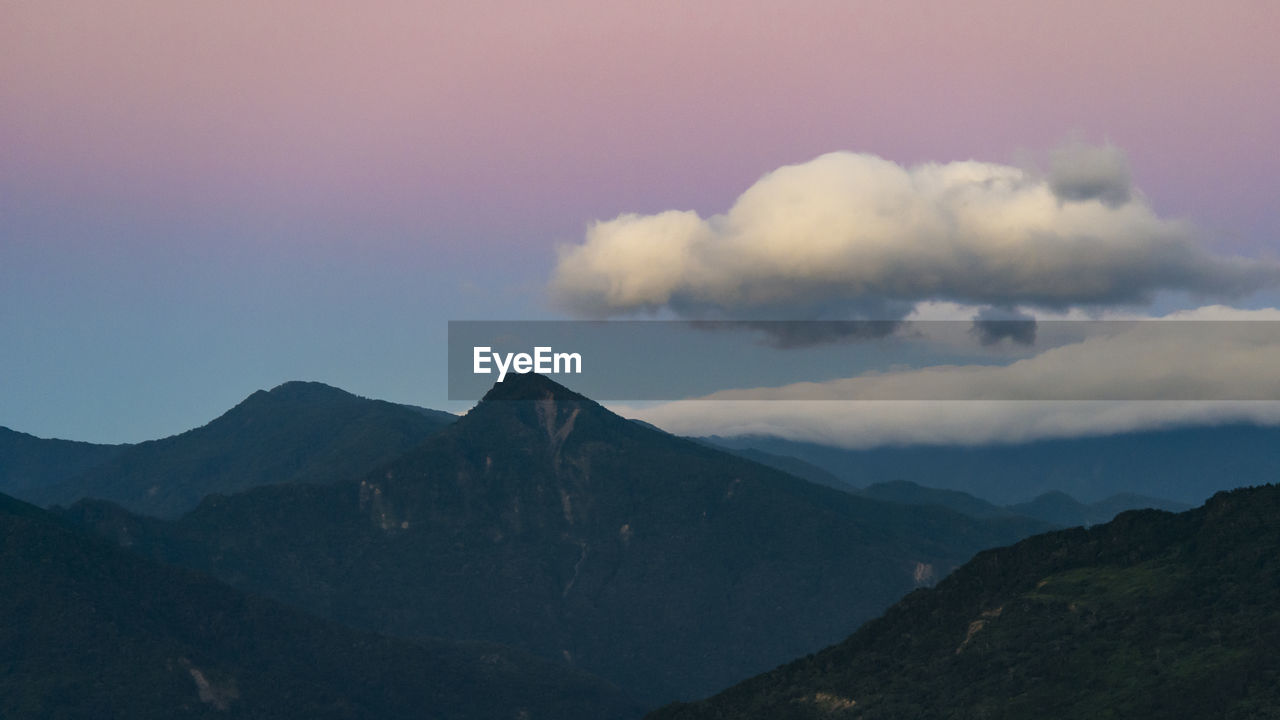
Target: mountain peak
column 307, row 390
column 530, row 386
column 298, row 432
column 536, row 402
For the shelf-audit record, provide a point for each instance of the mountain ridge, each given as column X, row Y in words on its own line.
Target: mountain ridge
column 1153, row 614
column 542, row 520
column 296, row 432
column 1183, row 464
column 1054, row 507
column 28, row 464
column 97, row 633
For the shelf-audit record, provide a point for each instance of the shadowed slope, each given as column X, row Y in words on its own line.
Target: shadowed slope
column 1150, row 615
column 297, row 432
column 90, row 631
column 542, row 520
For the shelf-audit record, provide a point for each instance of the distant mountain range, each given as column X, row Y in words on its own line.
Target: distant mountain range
column 1062, row 509
column 787, row 464
column 1184, row 465
column 297, row 432
column 1055, row 508
column 90, row 631
column 1152, row 615
column 541, row 520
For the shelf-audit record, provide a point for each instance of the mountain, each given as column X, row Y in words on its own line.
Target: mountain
column 909, row 493
column 1054, row 508
column 93, row 632
column 1149, row 615
column 297, row 432
column 541, row 520
column 1185, row 465
column 29, row 464
column 1106, row 509
column 791, row 466
column 1061, row 509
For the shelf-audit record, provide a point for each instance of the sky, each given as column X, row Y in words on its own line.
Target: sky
column 201, row 199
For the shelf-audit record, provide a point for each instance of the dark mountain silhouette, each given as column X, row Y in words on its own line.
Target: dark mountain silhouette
column 1106, row 509
column 792, row 466
column 542, row 520
column 909, row 493
column 1054, row 508
column 1061, row 509
column 93, row 632
column 1185, row 465
column 29, row 465
column 297, row 432
column 1150, row 615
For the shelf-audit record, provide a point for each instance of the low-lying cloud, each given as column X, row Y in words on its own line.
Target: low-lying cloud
column 992, row 325
column 886, row 422
column 855, row 236
column 1214, row 366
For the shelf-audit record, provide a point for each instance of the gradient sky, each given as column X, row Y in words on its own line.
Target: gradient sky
column 200, row 199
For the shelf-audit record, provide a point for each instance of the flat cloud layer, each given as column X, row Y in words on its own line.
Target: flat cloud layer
column 849, row 235
column 1142, row 375
column 873, row 423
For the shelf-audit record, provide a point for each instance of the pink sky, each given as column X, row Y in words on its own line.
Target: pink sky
column 546, row 115
column 200, row 198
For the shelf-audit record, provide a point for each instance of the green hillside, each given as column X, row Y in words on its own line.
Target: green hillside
column 1152, row 615
column 93, row 632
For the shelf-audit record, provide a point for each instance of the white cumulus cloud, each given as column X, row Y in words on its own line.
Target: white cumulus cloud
column 850, row 235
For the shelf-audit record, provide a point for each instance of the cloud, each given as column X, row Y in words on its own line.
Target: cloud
column 1079, row 173
column 991, row 325
column 1206, row 365
column 854, row 236
column 787, row 334
column 886, row 422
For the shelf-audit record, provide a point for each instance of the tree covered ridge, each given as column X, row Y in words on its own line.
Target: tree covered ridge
column 296, row 432
column 1150, row 615
column 92, row 631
